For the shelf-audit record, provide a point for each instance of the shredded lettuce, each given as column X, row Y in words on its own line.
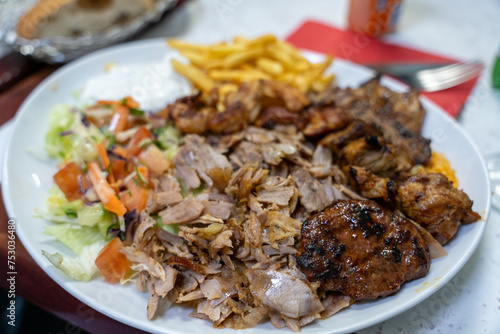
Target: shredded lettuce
column 61, row 119
column 172, row 228
column 58, row 205
column 81, row 268
column 66, row 131
column 169, row 139
column 75, row 236
column 55, row 218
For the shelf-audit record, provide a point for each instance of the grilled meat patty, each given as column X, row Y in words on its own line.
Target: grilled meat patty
column 361, row 250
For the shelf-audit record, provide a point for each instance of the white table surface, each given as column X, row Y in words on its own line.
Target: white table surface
column 470, row 302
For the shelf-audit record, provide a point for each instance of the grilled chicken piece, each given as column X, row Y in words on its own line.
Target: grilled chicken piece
column 325, row 120
column 355, row 130
column 428, row 199
column 404, row 108
column 271, row 116
column 397, row 117
column 277, row 93
column 432, row 202
column 374, row 153
column 381, row 189
column 231, row 120
column 411, row 144
column 282, row 103
column 191, row 113
column 361, row 250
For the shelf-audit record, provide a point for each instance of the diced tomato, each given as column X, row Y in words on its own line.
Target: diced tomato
column 136, row 196
column 111, row 262
column 119, row 122
column 104, row 191
column 67, row 180
column 154, row 159
column 134, row 146
column 119, row 169
column 143, row 173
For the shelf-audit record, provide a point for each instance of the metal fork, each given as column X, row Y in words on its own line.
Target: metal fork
column 434, row 79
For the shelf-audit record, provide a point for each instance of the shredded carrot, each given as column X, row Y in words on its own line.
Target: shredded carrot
column 131, row 103
column 104, row 191
column 105, row 162
column 108, row 102
column 127, row 101
column 104, row 155
column 121, row 151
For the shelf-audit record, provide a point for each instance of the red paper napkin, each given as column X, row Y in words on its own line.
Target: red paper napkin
column 361, row 49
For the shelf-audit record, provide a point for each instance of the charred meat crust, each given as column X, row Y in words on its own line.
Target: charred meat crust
column 430, row 199
column 362, row 250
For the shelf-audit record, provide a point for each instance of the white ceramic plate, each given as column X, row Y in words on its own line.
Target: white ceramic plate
column 27, row 178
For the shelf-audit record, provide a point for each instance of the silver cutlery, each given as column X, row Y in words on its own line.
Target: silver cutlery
column 431, row 77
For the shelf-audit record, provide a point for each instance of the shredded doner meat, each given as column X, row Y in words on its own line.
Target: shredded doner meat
column 238, row 194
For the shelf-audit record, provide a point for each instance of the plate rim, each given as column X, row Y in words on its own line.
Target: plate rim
column 140, row 324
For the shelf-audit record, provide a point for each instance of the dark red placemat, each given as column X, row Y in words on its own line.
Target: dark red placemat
column 319, row 37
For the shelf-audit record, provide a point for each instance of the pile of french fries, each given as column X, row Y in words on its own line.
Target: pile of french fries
column 223, row 66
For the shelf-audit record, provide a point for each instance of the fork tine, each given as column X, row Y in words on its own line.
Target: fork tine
column 451, row 70
column 433, row 80
column 466, row 72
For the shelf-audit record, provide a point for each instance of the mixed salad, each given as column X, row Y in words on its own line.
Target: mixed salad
column 108, row 153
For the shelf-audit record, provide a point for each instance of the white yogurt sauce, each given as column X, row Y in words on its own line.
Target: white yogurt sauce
column 153, row 85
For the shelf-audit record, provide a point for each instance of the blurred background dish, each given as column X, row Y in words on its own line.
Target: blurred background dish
column 57, row 31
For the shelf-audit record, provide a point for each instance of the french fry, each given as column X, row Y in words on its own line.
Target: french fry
column 288, row 77
column 265, row 39
column 290, row 49
column 223, row 90
column 240, row 40
column 281, row 56
column 226, row 49
column 224, row 65
column 250, row 69
column 321, row 83
column 319, row 68
column 302, row 81
column 195, row 75
column 194, row 57
column 214, row 63
column 240, row 57
column 177, row 44
column 270, row 66
column 234, row 75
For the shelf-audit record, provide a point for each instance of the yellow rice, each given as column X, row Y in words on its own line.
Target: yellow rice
column 439, row 164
